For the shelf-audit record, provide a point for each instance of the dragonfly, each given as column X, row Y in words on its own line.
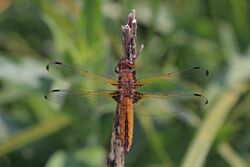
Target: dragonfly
column 129, row 94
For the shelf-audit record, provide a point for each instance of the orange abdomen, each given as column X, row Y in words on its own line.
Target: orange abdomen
column 126, row 122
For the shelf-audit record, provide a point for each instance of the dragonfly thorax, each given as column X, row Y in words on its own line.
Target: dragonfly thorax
column 126, row 82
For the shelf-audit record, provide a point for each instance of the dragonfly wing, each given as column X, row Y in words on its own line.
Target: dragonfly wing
column 160, row 104
column 190, row 77
column 176, row 97
column 72, row 74
column 86, row 101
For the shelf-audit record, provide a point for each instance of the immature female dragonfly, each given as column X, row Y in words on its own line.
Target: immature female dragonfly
column 127, row 91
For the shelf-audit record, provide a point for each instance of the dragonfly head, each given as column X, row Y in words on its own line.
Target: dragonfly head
column 124, row 64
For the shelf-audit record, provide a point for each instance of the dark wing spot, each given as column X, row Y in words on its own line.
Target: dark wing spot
column 199, row 95
column 45, row 96
column 55, row 90
column 57, row 62
column 195, row 94
column 207, row 72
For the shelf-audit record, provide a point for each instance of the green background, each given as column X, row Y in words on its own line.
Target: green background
column 211, row 33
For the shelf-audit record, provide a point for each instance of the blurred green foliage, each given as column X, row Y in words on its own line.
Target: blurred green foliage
column 176, row 34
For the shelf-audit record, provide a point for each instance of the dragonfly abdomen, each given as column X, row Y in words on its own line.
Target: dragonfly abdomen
column 126, row 122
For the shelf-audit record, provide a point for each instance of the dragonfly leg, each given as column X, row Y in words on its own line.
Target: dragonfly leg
column 117, row 68
column 116, row 96
column 137, row 96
